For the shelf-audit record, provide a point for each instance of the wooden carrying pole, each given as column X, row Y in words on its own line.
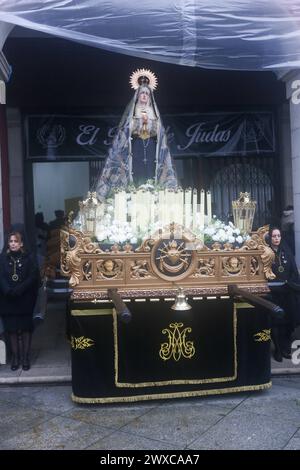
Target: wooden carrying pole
column 235, row 291
column 121, row 308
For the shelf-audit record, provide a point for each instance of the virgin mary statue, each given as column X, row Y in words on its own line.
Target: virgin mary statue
column 139, row 150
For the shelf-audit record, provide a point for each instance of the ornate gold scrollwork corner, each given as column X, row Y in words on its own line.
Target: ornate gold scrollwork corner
column 262, row 336
column 258, row 242
column 73, row 243
column 262, row 232
column 267, row 258
column 70, row 265
column 177, row 346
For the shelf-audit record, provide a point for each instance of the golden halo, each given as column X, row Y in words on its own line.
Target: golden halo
column 134, row 78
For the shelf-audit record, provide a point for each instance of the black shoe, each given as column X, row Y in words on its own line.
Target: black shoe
column 15, row 363
column 277, row 355
column 26, row 364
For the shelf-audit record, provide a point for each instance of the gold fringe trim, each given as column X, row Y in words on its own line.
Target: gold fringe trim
column 93, row 312
column 243, row 305
column 165, row 396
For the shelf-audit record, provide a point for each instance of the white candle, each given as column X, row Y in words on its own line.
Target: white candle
column 100, row 211
column 165, row 213
column 194, row 209
column 189, row 216
column 152, row 208
column 139, row 211
column 187, row 208
column 143, row 211
column 133, row 212
column 168, row 202
column 122, row 207
column 175, row 208
column 201, row 216
column 180, row 215
column 202, row 198
column 208, row 200
column 172, row 206
column 117, row 206
column 161, row 206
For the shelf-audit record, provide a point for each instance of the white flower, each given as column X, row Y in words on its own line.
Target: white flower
column 218, row 231
column 209, row 230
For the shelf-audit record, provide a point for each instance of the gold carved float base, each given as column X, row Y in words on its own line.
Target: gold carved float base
column 167, row 260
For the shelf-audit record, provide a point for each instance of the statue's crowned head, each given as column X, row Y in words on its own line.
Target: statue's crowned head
column 143, row 77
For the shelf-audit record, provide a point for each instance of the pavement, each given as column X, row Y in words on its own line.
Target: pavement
column 36, row 410
column 43, row 417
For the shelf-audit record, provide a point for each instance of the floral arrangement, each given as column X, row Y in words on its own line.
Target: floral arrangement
column 218, row 231
column 111, row 231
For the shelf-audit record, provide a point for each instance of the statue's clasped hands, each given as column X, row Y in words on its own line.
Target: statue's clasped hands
column 144, row 117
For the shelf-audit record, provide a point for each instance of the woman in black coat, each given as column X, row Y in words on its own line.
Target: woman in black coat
column 285, row 269
column 19, row 283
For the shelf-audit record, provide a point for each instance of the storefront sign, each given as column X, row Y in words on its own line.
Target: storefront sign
column 69, row 137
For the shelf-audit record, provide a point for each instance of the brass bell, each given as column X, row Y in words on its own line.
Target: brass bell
column 180, row 301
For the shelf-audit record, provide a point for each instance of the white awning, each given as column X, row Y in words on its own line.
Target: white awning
column 214, row 34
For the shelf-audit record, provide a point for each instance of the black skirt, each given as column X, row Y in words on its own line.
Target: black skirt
column 14, row 323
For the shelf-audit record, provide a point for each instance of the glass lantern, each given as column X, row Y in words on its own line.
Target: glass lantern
column 88, row 209
column 243, row 212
